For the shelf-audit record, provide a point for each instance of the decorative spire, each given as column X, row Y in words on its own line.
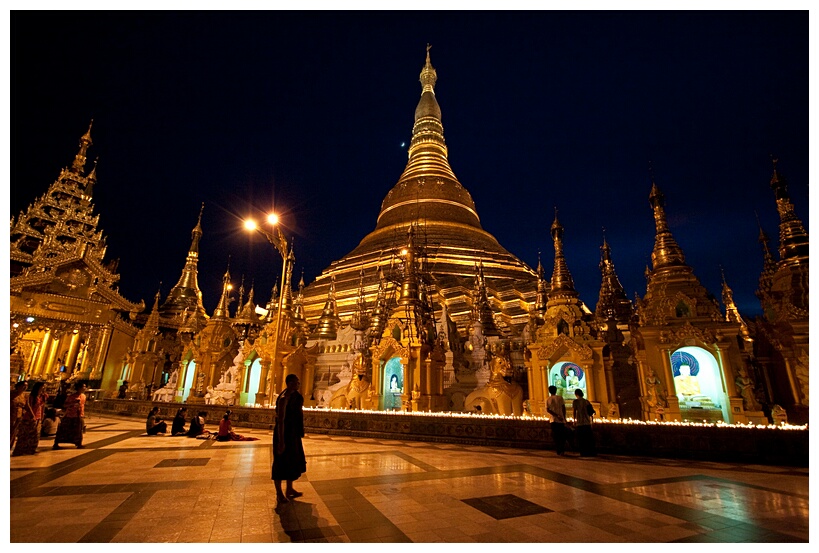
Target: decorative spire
column 379, row 315
column 613, row 301
column 731, row 311
column 328, row 323
column 666, row 252
column 298, row 304
column 562, row 285
column 152, row 324
column 481, row 310
column 542, row 290
column 360, row 320
column 185, row 295
column 80, row 158
column 428, row 75
column 221, row 311
column 240, row 304
column 196, row 233
column 410, row 291
column 287, row 291
column 768, row 262
column 274, row 301
column 793, row 240
column 92, row 179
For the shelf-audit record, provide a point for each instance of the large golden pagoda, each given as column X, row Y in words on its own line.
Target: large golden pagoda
column 429, row 195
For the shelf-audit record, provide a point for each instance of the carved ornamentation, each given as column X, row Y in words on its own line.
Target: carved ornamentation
column 675, row 336
column 579, row 351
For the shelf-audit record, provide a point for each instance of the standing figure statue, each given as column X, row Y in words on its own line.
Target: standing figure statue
column 745, row 386
column 655, row 392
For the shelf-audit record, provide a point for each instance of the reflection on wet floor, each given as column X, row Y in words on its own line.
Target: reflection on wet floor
column 129, row 487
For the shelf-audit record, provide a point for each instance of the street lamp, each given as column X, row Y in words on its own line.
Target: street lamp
column 280, row 243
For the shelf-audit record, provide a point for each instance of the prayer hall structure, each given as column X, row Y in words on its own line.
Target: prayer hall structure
column 428, row 313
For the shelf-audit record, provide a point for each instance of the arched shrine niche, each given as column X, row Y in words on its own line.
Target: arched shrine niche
column 190, row 374
column 252, row 381
column 567, row 377
column 697, row 384
column 393, row 383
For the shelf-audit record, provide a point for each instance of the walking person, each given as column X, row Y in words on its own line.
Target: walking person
column 73, row 422
column 18, row 403
column 28, row 434
column 289, row 462
column 582, row 411
column 556, row 407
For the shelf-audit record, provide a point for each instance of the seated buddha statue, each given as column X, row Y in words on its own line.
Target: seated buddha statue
column 685, row 383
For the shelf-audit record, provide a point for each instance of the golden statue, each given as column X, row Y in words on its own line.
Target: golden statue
column 500, row 396
column 685, row 383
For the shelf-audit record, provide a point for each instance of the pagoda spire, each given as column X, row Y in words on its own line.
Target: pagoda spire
column 274, row 301
column 240, row 303
column 378, row 317
column 186, row 295
column 221, row 311
column 91, row 180
column 410, row 289
column 298, row 304
column 542, row 289
column 328, row 323
column 731, row 311
column 287, row 290
column 613, row 300
column 481, row 310
column 152, row 324
column 562, row 285
column 361, row 319
column 428, row 179
column 79, row 160
column 666, row 252
column 793, row 240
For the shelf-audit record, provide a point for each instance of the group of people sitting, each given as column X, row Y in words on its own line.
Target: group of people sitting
column 155, row 425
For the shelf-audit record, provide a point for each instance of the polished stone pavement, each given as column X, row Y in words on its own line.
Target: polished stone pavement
column 125, row 486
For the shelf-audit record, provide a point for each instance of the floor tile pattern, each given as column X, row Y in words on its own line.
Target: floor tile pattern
column 126, row 487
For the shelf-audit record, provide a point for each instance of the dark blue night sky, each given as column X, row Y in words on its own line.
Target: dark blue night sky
column 308, row 111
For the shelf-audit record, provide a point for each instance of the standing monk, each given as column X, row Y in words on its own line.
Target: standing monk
column 288, row 453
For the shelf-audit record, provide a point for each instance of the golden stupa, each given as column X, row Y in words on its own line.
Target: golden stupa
column 429, row 196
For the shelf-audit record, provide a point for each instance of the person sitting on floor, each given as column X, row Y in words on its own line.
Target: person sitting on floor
column 226, row 433
column 197, row 427
column 178, row 426
column 50, row 423
column 154, row 424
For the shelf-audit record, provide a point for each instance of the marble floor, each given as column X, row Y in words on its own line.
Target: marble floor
column 127, row 487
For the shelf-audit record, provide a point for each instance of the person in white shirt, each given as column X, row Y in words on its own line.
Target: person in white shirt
column 556, row 408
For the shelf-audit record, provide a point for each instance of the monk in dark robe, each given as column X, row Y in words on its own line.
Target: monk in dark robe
column 289, row 462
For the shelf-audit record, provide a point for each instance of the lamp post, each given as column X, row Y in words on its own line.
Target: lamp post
column 280, row 243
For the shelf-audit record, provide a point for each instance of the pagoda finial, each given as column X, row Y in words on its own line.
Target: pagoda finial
column 562, row 284
column 612, row 300
column 428, row 75
column 327, row 327
column 793, row 239
column 666, row 252
column 185, row 295
column 221, row 310
column 85, row 142
column 196, row 233
column 91, row 179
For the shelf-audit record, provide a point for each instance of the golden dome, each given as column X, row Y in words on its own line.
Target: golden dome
column 429, row 196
